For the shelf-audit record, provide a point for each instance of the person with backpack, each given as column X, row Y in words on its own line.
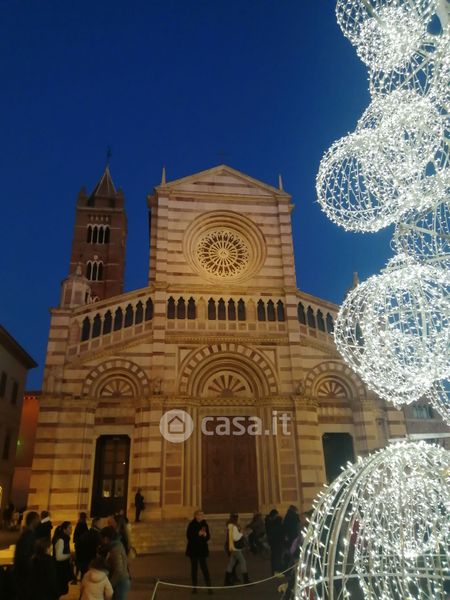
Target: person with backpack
column 235, row 545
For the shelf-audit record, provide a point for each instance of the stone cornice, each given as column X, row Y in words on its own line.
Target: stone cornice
column 175, row 337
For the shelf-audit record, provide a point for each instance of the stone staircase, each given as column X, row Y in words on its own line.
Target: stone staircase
column 157, row 537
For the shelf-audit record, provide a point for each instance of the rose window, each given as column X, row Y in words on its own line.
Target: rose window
column 223, row 253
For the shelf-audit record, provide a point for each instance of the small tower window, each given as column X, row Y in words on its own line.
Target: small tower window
column 100, row 235
column 311, row 318
column 261, row 309
column 89, row 234
column 221, row 312
column 181, row 308
column 139, row 317
column 95, row 235
column 270, row 311
column 94, row 270
column 129, row 316
column 320, row 321
column 107, row 235
column 330, row 323
column 118, row 319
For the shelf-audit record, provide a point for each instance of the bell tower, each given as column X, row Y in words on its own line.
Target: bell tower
column 99, row 238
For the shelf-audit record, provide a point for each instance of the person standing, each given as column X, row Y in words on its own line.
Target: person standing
column 22, row 556
column 235, row 544
column 63, row 556
column 44, row 529
column 198, row 536
column 95, row 584
column 139, row 504
column 275, row 539
column 80, row 529
column 43, row 578
column 87, row 546
column 117, row 562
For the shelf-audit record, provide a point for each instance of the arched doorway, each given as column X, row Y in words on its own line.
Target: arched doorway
column 110, row 483
column 337, row 451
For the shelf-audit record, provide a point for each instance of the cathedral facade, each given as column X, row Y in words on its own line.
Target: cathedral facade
column 220, row 332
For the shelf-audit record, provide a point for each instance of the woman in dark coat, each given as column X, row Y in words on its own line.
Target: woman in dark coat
column 43, row 580
column 198, row 536
column 275, row 539
column 63, row 556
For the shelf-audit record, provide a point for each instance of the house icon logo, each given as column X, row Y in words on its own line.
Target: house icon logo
column 176, row 426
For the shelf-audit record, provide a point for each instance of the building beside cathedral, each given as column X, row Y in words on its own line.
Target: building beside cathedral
column 221, row 330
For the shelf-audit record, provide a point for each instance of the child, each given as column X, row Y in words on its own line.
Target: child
column 95, row 584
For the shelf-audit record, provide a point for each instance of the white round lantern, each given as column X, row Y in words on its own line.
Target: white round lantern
column 381, row 529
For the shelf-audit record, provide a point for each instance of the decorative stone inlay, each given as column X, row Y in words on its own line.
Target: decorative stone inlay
column 117, row 388
column 223, row 253
column 331, row 388
column 225, row 385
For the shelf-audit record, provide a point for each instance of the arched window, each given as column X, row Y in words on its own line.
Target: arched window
column 89, row 270
column 241, row 310
column 311, row 319
column 100, row 272
column 231, row 310
column 301, row 314
column 171, row 308
column 320, row 321
column 89, row 234
column 139, row 314
column 100, row 235
column 94, row 270
column 107, row 235
column 221, row 312
column 129, row 316
column 330, row 323
column 280, row 311
column 149, row 310
column 118, row 318
column 95, row 235
column 270, row 311
column 96, row 326
column 211, row 309
column 85, row 329
column 181, row 309
column 261, row 310
column 191, row 309
column 107, row 322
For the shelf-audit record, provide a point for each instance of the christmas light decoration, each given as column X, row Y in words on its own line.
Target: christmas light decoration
column 381, row 529
column 394, row 329
column 439, row 397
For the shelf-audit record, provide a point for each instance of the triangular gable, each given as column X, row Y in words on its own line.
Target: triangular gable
column 222, row 180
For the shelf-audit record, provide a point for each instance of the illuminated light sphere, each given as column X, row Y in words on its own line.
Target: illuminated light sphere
column 439, row 398
column 381, row 529
column 386, row 33
column 351, row 192
column 426, row 235
column 393, row 330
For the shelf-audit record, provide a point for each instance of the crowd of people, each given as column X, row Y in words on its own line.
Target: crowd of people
column 279, row 536
column 46, row 563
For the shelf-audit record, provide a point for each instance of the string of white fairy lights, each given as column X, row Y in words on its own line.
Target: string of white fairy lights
column 394, row 329
column 382, row 528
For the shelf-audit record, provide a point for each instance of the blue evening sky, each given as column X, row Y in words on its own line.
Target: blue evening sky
column 263, row 85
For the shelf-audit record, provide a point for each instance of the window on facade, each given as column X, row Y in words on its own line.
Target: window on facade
column 107, row 322
column 129, row 316
column 100, row 235
column 85, row 329
column 2, row 384
column 270, row 311
column 191, row 313
column 107, row 234
column 14, row 392
column 118, row 319
column 330, row 323
column 422, row 411
column 221, row 312
column 310, row 318
column 181, row 308
column 94, row 270
column 149, row 310
column 241, row 310
column 171, row 308
column 6, row 446
column 211, row 309
column 301, row 314
column 231, row 310
column 280, row 311
column 96, row 326
column 320, row 321
column 89, row 234
column 261, row 310
column 139, row 313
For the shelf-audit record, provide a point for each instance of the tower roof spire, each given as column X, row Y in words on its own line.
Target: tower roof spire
column 105, row 186
column 163, row 175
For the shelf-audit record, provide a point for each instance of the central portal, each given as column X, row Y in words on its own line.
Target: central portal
column 229, row 475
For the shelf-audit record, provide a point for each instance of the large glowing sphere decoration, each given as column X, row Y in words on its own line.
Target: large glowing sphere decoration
column 394, row 329
column 439, row 398
column 381, row 530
